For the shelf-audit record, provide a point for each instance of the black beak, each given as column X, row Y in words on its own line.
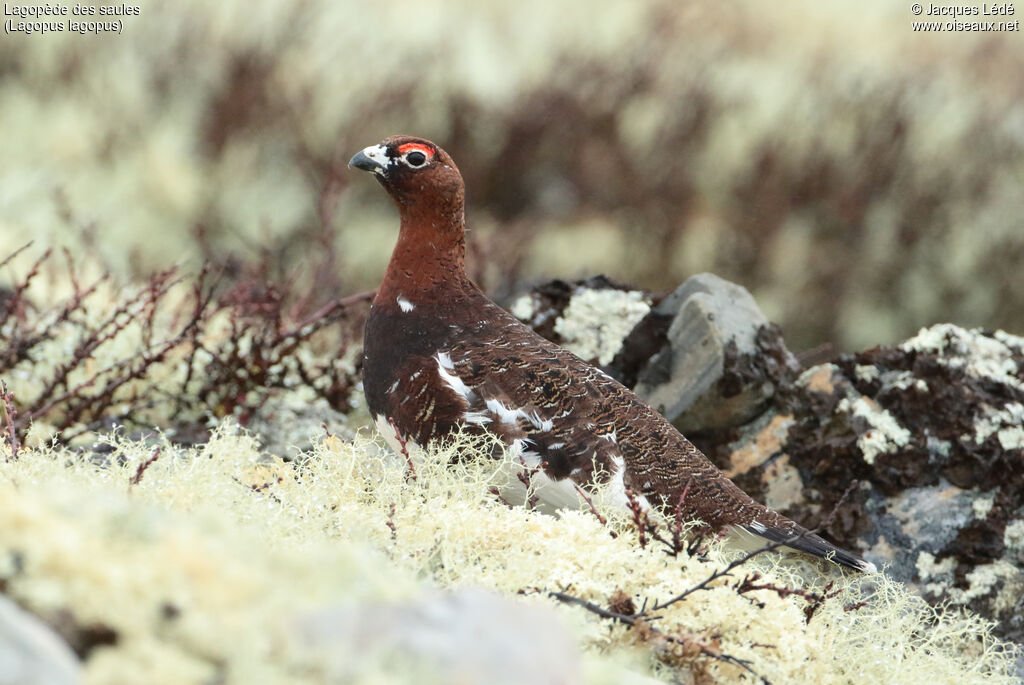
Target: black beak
column 373, row 158
column 361, row 161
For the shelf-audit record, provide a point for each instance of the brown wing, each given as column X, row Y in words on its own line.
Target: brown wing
column 571, row 417
column 574, row 416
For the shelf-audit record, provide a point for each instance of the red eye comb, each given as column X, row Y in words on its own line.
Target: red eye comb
column 425, row 149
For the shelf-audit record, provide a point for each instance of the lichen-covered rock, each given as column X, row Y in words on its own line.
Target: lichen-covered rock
column 704, row 356
column 931, row 429
column 591, row 318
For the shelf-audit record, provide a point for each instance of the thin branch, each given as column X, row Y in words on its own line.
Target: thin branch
column 497, row 493
column 590, row 503
column 9, row 258
column 640, row 519
column 12, row 436
column 13, row 304
column 137, row 478
column 677, row 518
column 318, row 317
column 643, row 618
column 726, row 571
column 403, row 443
column 390, row 522
column 526, row 478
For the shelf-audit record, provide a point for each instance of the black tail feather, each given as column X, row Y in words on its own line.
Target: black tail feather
column 809, row 543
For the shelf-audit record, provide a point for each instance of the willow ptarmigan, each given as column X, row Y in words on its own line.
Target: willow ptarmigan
column 440, row 356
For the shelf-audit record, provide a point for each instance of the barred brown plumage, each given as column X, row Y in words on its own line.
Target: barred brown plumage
column 439, row 357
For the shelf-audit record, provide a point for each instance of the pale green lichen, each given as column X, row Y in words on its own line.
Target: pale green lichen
column 1007, row 423
column 240, row 544
column 983, row 505
column 1000, row 576
column 865, row 372
column 978, row 354
column 523, row 307
column 596, row 322
column 1013, row 539
column 903, row 380
column 936, row 577
column 885, row 435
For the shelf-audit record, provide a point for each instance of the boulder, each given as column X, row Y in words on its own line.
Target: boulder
column 721, row 361
column 31, row 653
column 467, row 636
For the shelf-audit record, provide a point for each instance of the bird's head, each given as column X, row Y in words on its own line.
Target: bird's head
column 418, row 174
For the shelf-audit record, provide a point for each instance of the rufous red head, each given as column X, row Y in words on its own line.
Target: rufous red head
column 414, row 171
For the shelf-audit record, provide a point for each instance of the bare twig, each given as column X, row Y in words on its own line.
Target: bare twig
column 137, row 478
column 720, row 573
column 815, row 600
column 12, row 435
column 526, row 478
column 497, row 493
column 22, row 340
column 678, row 519
column 109, row 328
column 647, row 526
column 236, row 372
column 9, row 258
column 332, row 308
column 403, row 444
column 827, row 523
column 642, row 620
column 118, row 374
column 201, row 304
column 260, row 354
column 640, row 519
column 390, row 522
column 590, row 503
column 14, row 302
column 726, row 571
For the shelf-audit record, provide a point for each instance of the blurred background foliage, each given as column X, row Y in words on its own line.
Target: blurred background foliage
column 861, row 179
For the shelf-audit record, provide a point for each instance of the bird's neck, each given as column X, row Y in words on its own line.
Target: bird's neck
column 429, row 258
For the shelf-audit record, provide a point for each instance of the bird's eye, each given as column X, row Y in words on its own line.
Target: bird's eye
column 415, row 158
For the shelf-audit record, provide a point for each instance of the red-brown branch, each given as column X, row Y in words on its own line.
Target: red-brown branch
column 9, row 411
column 137, row 478
column 403, row 444
column 641, row 620
column 640, row 518
column 590, row 503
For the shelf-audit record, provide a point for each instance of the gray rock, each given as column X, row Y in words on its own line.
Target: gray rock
column 30, row 652
column 469, row 636
column 933, row 432
column 923, row 519
column 716, row 327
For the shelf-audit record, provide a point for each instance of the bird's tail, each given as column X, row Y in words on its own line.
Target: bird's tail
column 802, row 540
